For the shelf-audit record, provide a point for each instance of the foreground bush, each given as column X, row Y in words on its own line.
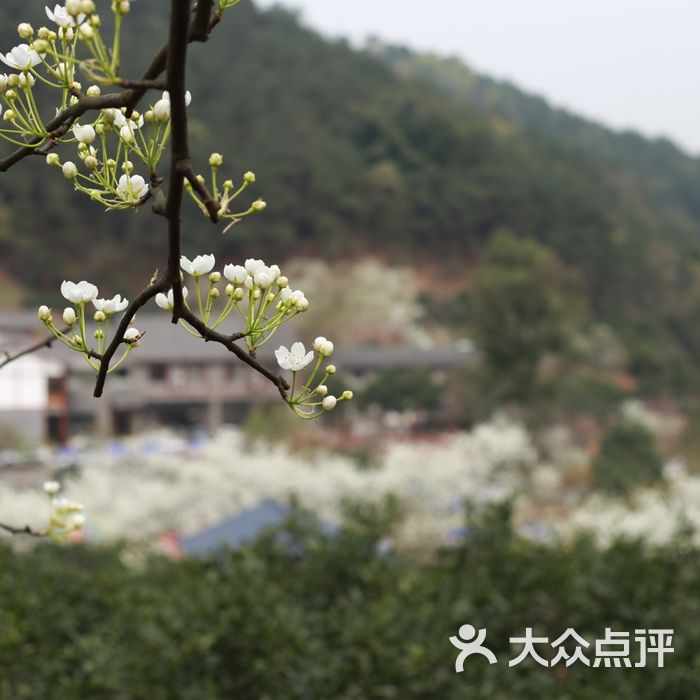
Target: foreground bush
column 300, row 615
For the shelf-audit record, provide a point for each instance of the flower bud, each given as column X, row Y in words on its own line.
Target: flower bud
column 52, row 487
column 98, row 334
column 149, row 116
column 229, row 290
column 258, row 205
column 100, row 316
column 93, row 91
column 111, row 163
column 161, row 110
column 91, row 162
column 238, row 294
column 257, row 294
column 126, row 133
column 329, row 403
column 3, row 82
column 321, row 389
column 331, row 369
column 249, row 177
column 78, row 521
column 131, row 334
column 27, row 80
column 124, row 7
column 86, row 32
column 318, row 342
column 127, row 166
column 69, row 316
column 214, row 293
column 326, row 348
column 70, row 171
column 53, row 159
column 215, row 277
column 40, row 46
column 25, row 30
column 73, row 7
column 43, row 33
column 347, row 395
column 215, row 160
column 228, row 184
column 87, row 7
column 282, row 282
column 44, row 313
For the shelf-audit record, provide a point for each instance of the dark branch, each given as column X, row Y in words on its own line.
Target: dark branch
column 201, row 24
column 45, row 343
column 212, row 206
column 141, row 84
column 26, row 530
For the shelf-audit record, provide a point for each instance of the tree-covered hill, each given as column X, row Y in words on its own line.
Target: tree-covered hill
column 358, row 152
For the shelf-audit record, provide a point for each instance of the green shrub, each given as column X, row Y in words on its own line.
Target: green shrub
column 303, row 616
column 628, row 458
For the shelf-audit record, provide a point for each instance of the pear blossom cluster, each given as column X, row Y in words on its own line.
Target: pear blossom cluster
column 226, row 194
column 257, row 293
column 65, row 516
column 85, row 300
column 310, row 398
column 111, row 146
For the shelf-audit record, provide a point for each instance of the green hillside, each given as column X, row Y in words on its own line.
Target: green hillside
column 409, row 157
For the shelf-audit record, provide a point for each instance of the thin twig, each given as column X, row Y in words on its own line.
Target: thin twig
column 26, row 530
column 45, row 343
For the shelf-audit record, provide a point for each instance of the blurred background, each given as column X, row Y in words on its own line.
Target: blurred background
column 494, row 211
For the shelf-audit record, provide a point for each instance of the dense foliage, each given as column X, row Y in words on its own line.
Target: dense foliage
column 628, row 458
column 304, row 615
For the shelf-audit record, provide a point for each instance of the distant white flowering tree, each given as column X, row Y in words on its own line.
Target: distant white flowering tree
column 119, row 151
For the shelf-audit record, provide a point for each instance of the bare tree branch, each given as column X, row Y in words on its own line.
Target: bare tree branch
column 45, row 343
column 26, row 530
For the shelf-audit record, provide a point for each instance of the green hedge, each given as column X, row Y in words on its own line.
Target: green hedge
column 300, row 615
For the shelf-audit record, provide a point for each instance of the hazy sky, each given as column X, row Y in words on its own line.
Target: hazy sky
column 629, row 63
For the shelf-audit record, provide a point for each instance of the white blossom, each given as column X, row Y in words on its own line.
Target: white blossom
column 294, row 359
column 166, row 301
column 235, row 273
column 52, row 487
column 201, row 265
column 131, row 334
column 252, row 266
column 188, row 97
column 79, row 293
column 84, row 133
column 132, row 188
column 21, row 57
column 111, row 306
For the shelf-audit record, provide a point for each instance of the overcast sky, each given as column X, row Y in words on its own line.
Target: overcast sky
column 628, row 63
